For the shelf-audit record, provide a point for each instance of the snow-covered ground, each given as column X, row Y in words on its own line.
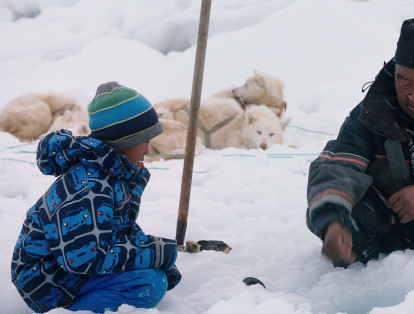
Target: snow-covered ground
column 254, row 200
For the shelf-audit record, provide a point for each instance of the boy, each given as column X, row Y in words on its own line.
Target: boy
column 80, row 247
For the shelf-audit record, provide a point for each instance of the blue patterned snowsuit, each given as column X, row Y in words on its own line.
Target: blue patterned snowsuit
column 84, row 225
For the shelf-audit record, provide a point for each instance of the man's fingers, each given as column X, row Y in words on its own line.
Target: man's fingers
column 340, row 250
column 348, row 241
column 404, row 216
column 347, row 255
column 396, row 206
column 331, row 252
column 393, row 199
column 397, row 209
column 347, row 249
column 337, row 245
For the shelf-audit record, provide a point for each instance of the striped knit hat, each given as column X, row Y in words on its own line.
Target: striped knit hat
column 121, row 117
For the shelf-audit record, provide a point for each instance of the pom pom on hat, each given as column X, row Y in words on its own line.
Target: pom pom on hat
column 121, row 117
column 404, row 55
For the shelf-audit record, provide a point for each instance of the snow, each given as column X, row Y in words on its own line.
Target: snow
column 254, row 200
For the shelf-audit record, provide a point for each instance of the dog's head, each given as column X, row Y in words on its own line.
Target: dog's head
column 262, row 128
column 261, row 88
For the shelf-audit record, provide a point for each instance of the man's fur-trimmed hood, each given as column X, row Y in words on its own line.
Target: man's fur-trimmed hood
column 379, row 105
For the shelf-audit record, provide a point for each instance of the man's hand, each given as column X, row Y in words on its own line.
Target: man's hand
column 337, row 245
column 402, row 203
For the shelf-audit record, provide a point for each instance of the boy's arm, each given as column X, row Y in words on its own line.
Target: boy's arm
column 82, row 236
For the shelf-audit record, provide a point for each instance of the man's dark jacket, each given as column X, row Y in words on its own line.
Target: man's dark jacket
column 372, row 148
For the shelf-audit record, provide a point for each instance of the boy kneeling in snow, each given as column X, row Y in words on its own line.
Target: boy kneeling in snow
column 80, row 247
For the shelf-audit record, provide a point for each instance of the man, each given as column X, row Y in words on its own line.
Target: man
column 361, row 187
column 80, row 247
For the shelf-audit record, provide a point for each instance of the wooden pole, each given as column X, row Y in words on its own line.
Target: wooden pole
column 193, row 121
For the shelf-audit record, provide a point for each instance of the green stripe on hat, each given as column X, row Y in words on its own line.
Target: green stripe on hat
column 111, row 99
column 124, row 111
column 115, row 121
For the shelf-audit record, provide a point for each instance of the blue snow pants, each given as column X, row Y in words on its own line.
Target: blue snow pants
column 142, row 288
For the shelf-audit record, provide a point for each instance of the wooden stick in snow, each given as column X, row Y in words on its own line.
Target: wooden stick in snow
column 193, row 121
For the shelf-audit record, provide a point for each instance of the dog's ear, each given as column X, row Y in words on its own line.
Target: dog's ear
column 285, row 122
column 83, row 129
column 257, row 72
column 249, row 118
column 282, row 109
column 259, row 79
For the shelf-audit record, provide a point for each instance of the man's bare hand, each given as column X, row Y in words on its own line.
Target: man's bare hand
column 402, row 203
column 337, row 245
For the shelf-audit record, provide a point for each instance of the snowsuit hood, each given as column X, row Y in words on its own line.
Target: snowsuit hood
column 59, row 151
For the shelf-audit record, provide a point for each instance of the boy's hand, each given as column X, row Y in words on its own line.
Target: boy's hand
column 402, row 203
column 173, row 277
column 337, row 245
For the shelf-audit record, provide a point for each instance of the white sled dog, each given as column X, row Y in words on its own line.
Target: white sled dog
column 229, row 118
column 222, row 123
column 31, row 116
column 261, row 128
column 261, row 88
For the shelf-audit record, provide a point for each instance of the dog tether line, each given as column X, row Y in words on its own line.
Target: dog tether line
column 208, row 132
